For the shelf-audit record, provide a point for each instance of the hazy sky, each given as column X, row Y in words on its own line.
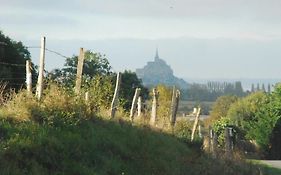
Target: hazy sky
column 198, row 38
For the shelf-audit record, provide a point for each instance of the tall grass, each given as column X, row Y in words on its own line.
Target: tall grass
column 62, row 135
column 2, row 94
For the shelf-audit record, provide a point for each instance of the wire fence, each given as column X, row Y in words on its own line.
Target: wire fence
column 49, row 50
column 23, row 65
column 12, row 64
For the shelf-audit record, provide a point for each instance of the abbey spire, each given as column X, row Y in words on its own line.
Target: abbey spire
column 157, row 55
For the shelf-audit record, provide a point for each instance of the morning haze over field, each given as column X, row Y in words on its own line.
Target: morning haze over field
column 201, row 40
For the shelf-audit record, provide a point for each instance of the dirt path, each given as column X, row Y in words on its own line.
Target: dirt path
column 273, row 163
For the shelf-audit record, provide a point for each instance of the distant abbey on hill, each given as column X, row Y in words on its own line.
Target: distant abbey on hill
column 158, row 72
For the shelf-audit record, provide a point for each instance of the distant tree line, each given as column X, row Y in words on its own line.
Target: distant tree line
column 260, row 88
column 212, row 90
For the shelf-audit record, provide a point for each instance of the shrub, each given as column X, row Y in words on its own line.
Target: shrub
column 220, row 108
column 101, row 91
column 183, row 129
column 164, row 106
column 19, row 107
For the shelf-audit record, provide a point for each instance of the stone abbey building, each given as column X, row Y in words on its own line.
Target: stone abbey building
column 159, row 72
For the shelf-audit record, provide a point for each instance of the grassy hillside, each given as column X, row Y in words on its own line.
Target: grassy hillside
column 102, row 147
column 92, row 147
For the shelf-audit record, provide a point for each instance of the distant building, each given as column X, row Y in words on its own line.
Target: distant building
column 159, row 72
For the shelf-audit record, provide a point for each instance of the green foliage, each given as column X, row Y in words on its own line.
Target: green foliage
column 94, row 64
column 98, row 147
column 258, row 115
column 219, row 128
column 266, row 119
column 243, row 113
column 129, row 82
column 13, row 56
column 274, row 151
column 99, row 80
column 57, row 107
column 60, row 135
column 183, row 130
column 19, row 107
column 255, row 116
column 101, row 90
column 164, row 105
column 221, row 107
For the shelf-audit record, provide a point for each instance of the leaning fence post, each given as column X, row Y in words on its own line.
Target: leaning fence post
column 28, row 76
column 134, row 103
column 195, row 123
column 39, row 87
column 115, row 97
column 79, row 71
column 154, row 107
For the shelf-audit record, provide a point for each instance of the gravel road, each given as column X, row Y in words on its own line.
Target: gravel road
column 273, row 163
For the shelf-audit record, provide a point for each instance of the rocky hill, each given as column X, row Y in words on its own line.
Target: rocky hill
column 159, row 72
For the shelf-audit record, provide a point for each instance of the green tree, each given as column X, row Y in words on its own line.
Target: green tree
column 266, row 119
column 97, row 72
column 94, row 64
column 253, row 88
column 244, row 112
column 129, row 82
column 238, row 89
column 268, row 88
column 258, row 117
column 13, row 55
column 221, row 107
column 246, row 108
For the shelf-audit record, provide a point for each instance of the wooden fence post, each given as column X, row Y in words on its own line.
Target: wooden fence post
column 134, row 104
column 39, row 87
column 79, row 71
column 199, row 130
column 195, row 123
column 115, row 97
column 215, row 145
column 28, row 76
column 139, row 106
column 210, row 137
column 174, row 106
column 228, row 141
column 87, row 97
column 154, row 107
